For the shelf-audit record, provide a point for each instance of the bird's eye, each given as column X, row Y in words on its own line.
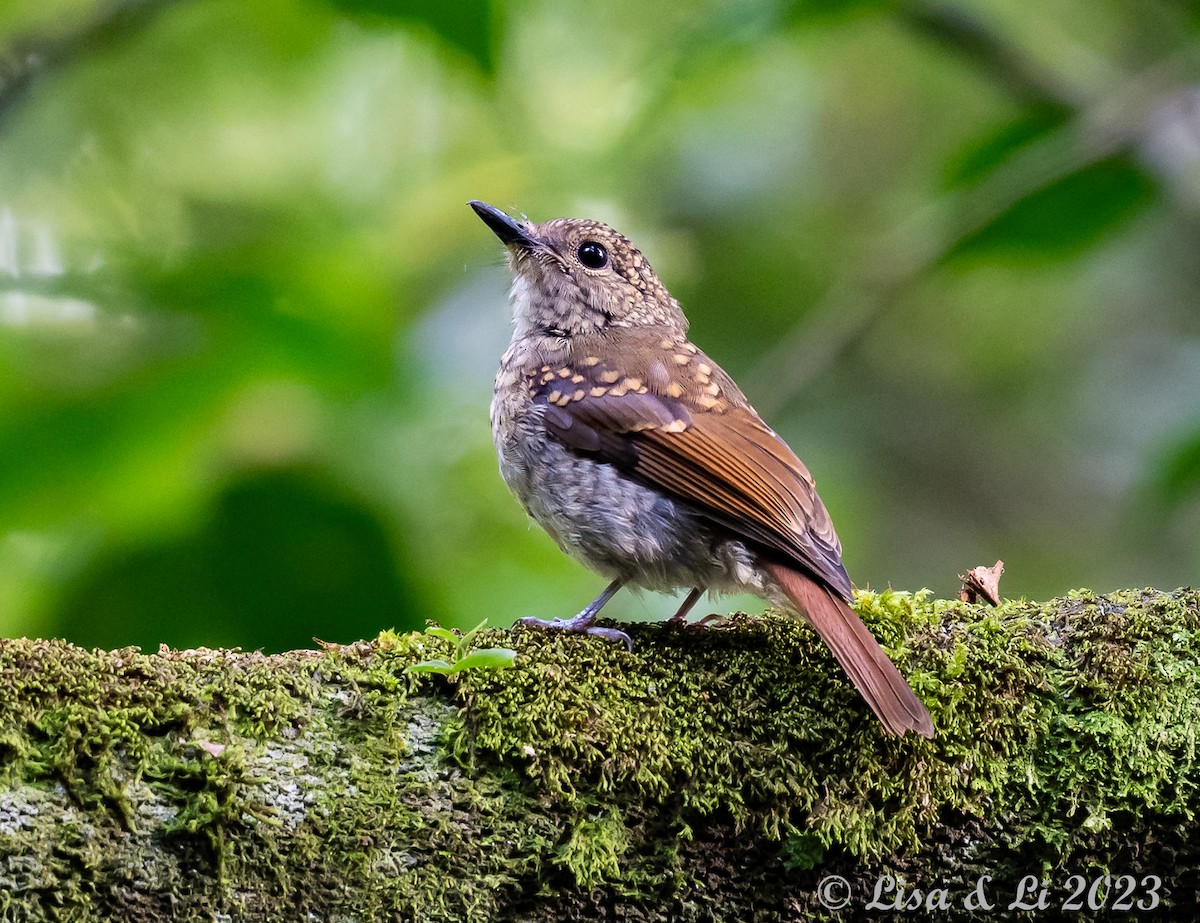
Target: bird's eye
column 592, row 254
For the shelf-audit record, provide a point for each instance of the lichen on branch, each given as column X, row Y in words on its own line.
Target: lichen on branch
column 712, row 773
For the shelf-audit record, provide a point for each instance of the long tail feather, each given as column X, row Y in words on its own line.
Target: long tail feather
column 869, row 668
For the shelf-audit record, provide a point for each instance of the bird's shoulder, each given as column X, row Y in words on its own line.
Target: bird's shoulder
column 657, row 362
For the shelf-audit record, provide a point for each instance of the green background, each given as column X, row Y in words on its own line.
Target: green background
column 248, row 325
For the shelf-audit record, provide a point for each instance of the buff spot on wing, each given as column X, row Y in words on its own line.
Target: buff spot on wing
column 675, row 426
column 610, row 377
column 674, row 389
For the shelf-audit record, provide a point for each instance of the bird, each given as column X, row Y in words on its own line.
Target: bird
column 643, row 459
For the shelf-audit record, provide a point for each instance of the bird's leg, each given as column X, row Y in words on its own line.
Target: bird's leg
column 680, row 617
column 582, row 623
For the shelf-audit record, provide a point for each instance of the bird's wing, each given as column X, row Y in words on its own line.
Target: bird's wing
column 713, row 453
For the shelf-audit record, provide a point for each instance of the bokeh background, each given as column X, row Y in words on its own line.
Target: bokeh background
column 248, row 325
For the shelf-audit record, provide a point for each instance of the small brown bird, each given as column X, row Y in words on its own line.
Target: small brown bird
column 644, row 460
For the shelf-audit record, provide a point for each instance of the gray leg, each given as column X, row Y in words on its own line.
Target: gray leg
column 680, row 617
column 582, row 623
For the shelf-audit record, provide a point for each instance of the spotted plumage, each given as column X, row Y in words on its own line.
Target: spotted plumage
column 641, row 457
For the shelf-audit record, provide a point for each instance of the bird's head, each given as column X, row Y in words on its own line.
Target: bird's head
column 575, row 276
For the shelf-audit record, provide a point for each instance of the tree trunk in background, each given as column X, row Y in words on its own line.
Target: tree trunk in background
column 718, row 773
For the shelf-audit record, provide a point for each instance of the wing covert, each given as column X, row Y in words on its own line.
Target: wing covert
column 713, row 453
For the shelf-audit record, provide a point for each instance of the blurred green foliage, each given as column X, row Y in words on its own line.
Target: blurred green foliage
column 248, row 326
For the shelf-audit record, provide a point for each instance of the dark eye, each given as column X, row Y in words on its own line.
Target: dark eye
column 592, row 255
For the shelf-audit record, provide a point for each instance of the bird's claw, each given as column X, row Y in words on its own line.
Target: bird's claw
column 611, row 634
column 712, row 620
column 580, row 624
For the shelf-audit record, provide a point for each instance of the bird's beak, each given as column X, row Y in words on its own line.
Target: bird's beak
column 510, row 231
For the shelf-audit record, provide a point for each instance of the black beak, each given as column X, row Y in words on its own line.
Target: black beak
column 509, row 230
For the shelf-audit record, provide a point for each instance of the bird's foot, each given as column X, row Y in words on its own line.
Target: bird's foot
column 580, row 624
column 679, row 619
column 712, row 620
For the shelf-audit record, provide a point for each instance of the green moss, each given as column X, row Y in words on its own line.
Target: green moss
column 749, row 719
column 708, row 762
column 594, row 849
column 1040, row 709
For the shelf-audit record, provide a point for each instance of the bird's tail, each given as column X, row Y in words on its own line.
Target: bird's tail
column 869, row 668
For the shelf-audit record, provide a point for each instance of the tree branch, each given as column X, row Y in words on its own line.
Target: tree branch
column 714, row 773
column 1115, row 121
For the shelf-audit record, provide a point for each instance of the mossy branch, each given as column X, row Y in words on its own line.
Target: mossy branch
column 712, row 774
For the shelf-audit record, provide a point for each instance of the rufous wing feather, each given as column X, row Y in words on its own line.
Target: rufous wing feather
column 869, row 668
